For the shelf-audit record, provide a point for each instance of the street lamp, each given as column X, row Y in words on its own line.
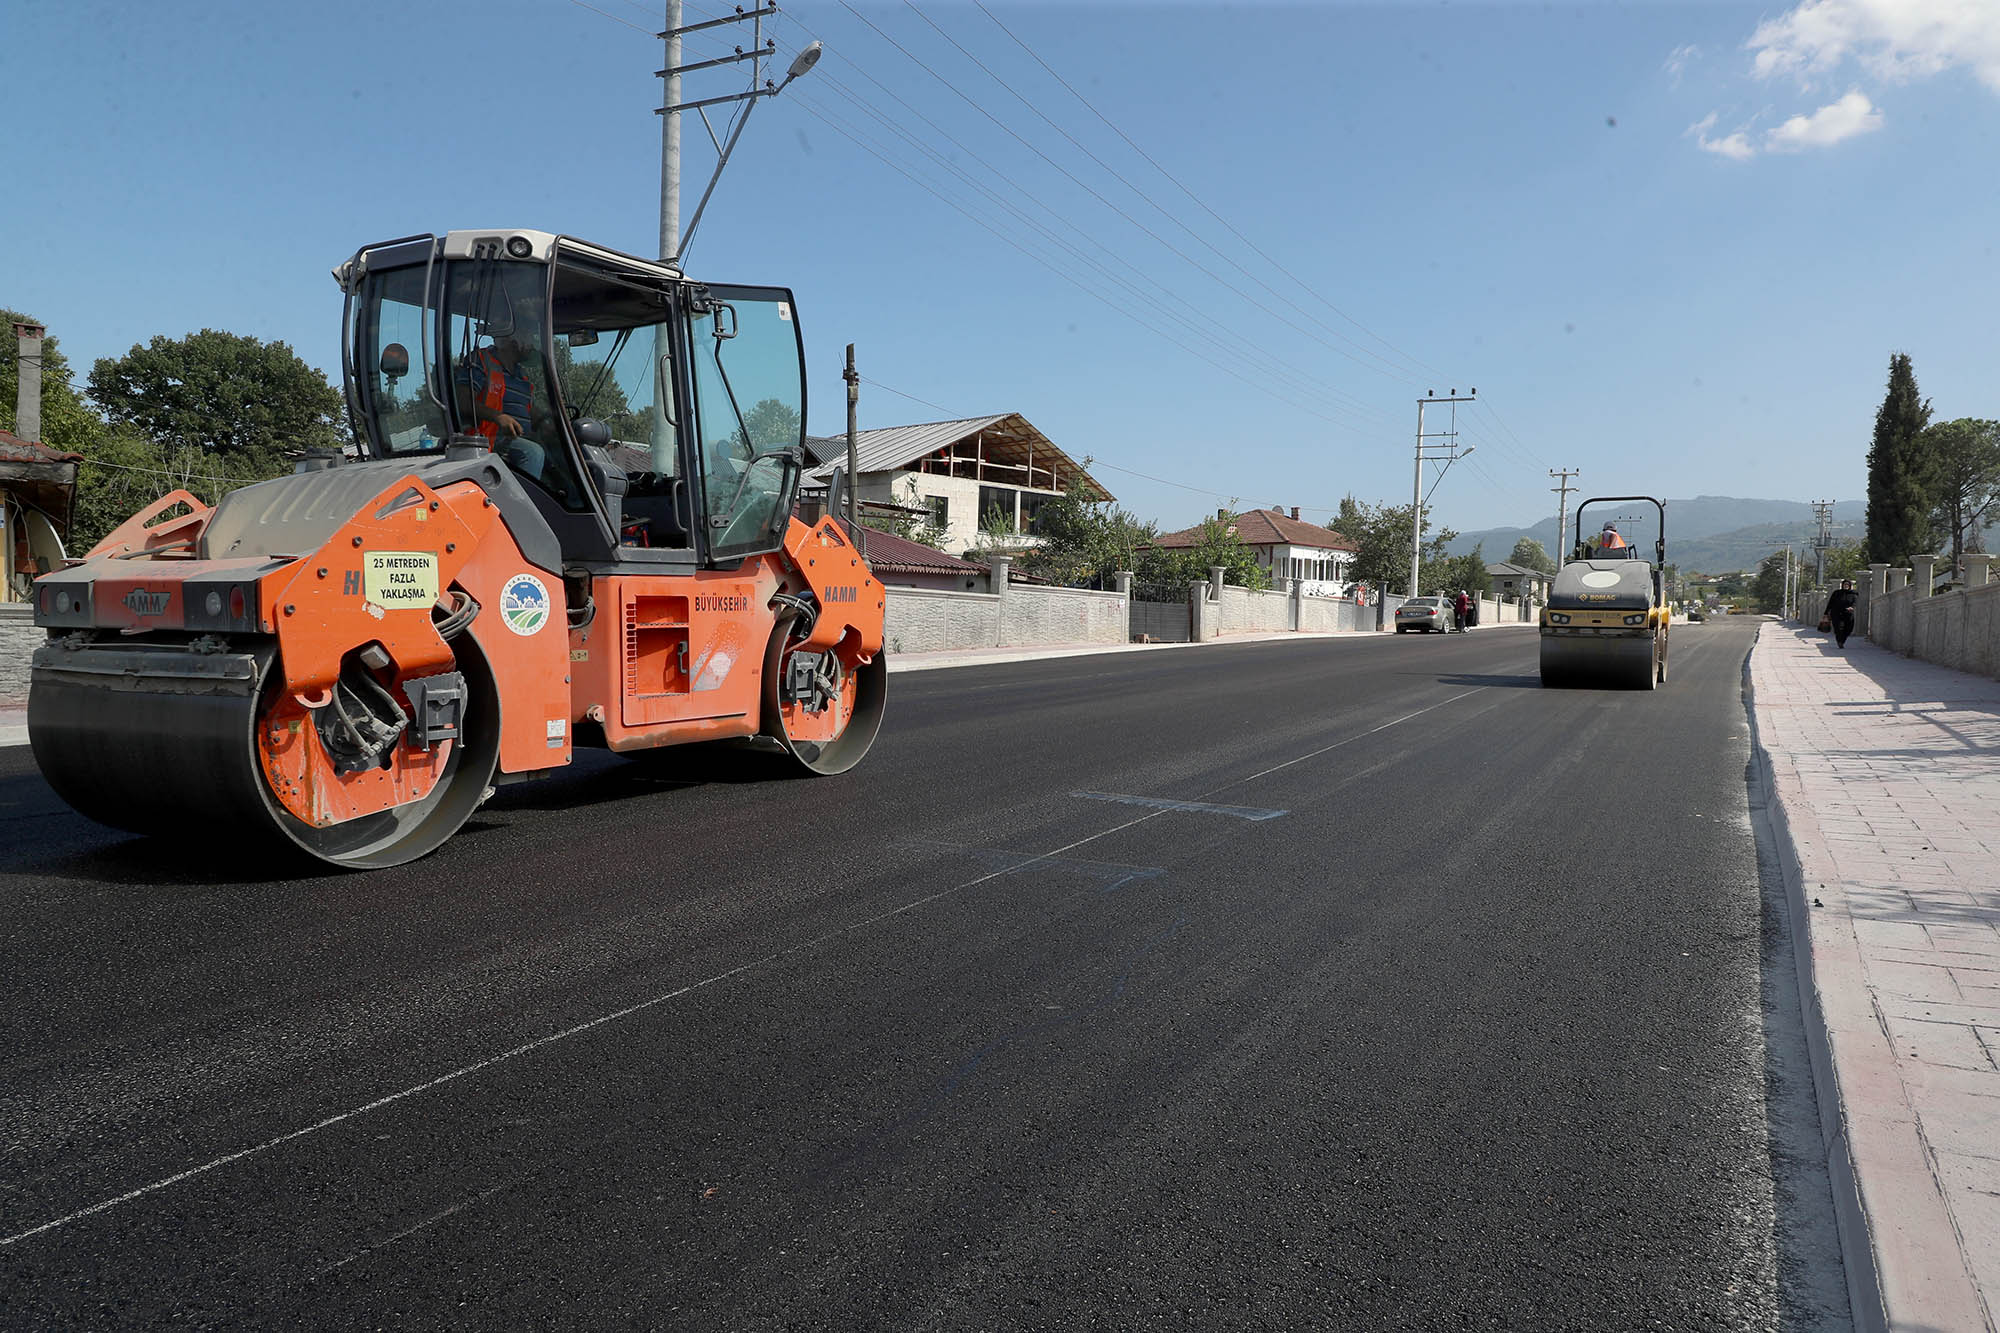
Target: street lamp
column 1447, row 453
column 802, row 62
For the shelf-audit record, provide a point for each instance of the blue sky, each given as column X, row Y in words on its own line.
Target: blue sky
column 1672, row 245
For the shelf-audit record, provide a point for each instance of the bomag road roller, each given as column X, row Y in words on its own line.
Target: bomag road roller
column 566, row 519
column 1606, row 621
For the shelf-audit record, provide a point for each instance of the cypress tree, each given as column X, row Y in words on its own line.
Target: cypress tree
column 1899, row 477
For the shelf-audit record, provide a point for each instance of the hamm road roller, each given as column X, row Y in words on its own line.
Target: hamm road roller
column 1606, row 621
column 566, row 519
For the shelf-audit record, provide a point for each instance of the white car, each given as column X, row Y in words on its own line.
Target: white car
column 1424, row 613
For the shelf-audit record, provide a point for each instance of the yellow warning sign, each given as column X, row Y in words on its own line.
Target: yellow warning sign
column 399, row 579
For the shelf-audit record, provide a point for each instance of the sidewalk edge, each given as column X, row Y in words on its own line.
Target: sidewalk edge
column 1871, row 1275
column 1857, row 1253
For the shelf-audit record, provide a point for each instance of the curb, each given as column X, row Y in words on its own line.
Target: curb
column 1898, row 1275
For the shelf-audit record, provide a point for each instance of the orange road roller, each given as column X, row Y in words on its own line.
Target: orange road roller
column 566, row 520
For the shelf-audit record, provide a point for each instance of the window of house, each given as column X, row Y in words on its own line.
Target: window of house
column 940, row 507
column 1000, row 498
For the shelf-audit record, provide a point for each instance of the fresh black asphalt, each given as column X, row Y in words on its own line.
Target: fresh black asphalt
column 1471, row 1035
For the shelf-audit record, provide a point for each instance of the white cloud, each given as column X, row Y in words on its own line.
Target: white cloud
column 1679, row 60
column 1735, row 146
column 1892, row 39
column 1851, row 115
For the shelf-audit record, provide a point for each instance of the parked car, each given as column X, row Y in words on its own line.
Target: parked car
column 1424, row 613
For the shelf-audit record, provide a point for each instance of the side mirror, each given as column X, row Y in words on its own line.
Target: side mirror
column 724, row 328
column 395, row 361
column 592, row 432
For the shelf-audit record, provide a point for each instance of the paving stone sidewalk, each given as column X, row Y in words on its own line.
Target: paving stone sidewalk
column 1885, row 778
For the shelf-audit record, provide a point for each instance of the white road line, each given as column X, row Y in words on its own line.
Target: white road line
column 1249, row 812
column 432, row 1220
column 578, row 1029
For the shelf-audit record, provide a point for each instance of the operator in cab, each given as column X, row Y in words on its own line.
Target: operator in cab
column 497, row 397
column 1611, row 545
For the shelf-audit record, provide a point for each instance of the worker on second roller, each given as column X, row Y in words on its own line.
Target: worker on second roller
column 496, row 394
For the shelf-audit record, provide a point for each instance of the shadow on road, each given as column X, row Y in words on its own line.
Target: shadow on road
column 1532, row 682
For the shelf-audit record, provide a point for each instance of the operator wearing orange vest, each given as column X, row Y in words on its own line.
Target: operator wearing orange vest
column 501, row 400
column 1611, row 546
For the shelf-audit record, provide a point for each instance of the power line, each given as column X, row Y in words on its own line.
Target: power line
column 1200, row 324
column 1269, row 365
column 1067, row 174
column 1199, row 202
column 1163, row 212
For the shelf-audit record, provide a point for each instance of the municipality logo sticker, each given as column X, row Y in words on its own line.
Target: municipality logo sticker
column 524, row 604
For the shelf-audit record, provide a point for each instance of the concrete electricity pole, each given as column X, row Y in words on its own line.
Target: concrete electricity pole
column 674, row 239
column 670, row 138
column 1562, row 510
column 853, row 378
column 1447, row 453
column 1822, row 510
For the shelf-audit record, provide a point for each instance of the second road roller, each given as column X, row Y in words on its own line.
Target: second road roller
column 1607, row 618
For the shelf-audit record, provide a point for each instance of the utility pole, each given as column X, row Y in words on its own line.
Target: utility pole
column 670, row 138
column 1562, row 510
column 853, row 379
column 1823, row 511
column 674, row 239
column 1447, row 453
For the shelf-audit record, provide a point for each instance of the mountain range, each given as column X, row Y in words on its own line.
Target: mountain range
column 1708, row 534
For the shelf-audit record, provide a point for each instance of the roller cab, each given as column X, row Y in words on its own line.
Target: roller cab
column 565, row 520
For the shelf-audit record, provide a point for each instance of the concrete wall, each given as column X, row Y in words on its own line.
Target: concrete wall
column 1958, row 629
column 921, row 620
column 18, row 640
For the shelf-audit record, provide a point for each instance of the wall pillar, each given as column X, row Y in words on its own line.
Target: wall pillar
column 1215, row 576
column 1198, row 612
column 1899, row 579
column 1925, row 573
column 1121, row 583
column 1978, row 569
column 1873, row 584
column 996, row 582
column 1298, row 593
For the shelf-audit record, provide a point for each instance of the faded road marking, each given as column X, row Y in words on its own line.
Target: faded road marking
column 1199, row 807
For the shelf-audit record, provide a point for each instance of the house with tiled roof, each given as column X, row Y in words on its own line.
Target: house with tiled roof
column 963, row 474
column 1286, row 546
column 902, row 563
column 1517, row 581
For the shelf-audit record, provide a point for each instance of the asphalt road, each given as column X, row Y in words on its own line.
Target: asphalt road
column 1374, row 987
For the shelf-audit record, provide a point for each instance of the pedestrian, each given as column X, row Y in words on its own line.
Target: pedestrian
column 1471, row 610
column 1458, row 611
column 1839, row 615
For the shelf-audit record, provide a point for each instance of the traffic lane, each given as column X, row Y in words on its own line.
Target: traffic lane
column 941, row 984
column 114, row 937
column 276, row 1002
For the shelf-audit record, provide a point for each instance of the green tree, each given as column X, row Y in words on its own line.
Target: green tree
column 1845, row 560
column 1766, row 591
column 1466, row 571
column 1964, row 458
column 67, row 421
column 1381, row 535
column 1085, row 542
column 248, row 402
column 1216, row 543
column 1900, row 482
column 1530, row 554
